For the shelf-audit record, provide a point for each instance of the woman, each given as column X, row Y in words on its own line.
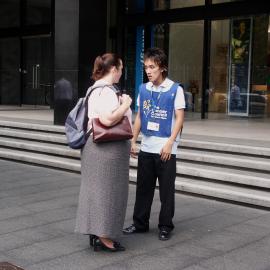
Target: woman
column 105, row 166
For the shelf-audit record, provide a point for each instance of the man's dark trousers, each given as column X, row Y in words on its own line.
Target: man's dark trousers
column 151, row 168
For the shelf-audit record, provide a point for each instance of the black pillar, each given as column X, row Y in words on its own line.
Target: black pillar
column 206, row 65
column 66, row 36
column 80, row 36
column 92, row 39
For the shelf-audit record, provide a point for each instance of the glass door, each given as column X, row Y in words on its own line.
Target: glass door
column 37, row 71
column 239, row 68
column 217, row 94
column 10, row 71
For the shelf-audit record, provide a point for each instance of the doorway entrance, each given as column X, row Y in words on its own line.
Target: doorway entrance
column 26, row 62
column 36, row 71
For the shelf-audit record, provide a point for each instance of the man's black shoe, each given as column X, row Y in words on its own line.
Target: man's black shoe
column 132, row 229
column 164, row 235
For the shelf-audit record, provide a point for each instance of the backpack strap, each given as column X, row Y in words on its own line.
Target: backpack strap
column 89, row 92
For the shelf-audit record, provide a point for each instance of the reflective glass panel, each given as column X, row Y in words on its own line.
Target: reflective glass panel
column 216, row 95
column 10, row 71
column 135, row 6
column 240, row 68
column 171, row 4
column 9, row 13
column 38, row 12
column 183, row 43
column 224, row 1
column 259, row 100
column 37, row 72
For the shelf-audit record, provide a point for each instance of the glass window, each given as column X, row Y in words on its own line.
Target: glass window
column 183, row 43
column 259, row 100
column 135, row 6
column 9, row 13
column 239, row 68
column 10, row 71
column 216, row 95
column 171, row 4
column 224, row 1
column 38, row 12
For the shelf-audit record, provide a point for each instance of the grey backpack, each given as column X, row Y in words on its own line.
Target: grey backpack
column 77, row 121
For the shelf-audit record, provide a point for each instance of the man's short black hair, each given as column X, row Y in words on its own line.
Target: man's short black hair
column 159, row 57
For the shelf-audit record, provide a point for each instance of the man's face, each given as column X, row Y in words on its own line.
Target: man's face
column 153, row 71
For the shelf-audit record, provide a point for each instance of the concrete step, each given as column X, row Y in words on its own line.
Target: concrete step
column 183, row 154
column 235, row 140
column 183, row 168
column 41, row 159
column 33, row 135
column 225, row 147
column 202, row 144
column 218, row 169
column 48, row 148
column 225, row 159
column 219, row 173
column 229, row 175
column 219, row 190
column 32, row 126
column 222, row 191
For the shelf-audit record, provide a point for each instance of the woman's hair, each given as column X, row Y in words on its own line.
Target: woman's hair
column 103, row 65
column 159, row 57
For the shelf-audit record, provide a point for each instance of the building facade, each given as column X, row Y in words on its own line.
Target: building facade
column 219, row 50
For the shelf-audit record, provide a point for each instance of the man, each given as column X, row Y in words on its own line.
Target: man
column 160, row 119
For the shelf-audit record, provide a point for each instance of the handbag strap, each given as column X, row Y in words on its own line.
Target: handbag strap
column 91, row 91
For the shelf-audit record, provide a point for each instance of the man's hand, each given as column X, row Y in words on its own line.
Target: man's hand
column 133, row 150
column 165, row 153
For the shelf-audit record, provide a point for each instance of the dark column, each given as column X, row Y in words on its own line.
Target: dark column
column 92, row 38
column 206, row 67
column 80, row 35
column 66, row 36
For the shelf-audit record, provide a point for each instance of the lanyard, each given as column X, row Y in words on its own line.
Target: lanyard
column 158, row 98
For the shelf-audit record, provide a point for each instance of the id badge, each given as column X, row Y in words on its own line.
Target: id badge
column 153, row 126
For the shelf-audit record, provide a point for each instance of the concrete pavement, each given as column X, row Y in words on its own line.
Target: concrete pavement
column 37, row 215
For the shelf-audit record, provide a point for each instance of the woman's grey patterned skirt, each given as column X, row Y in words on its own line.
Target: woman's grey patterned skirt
column 104, row 188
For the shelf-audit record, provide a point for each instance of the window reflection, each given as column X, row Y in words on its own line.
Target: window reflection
column 171, row 4
column 9, row 71
column 135, row 6
column 223, row 1
column 183, row 44
column 9, row 13
column 38, row 12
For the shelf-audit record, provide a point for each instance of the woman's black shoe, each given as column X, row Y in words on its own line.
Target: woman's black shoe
column 99, row 245
column 92, row 238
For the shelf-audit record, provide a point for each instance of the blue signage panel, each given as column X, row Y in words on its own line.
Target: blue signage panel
column 139, row 61
column 240, row 55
